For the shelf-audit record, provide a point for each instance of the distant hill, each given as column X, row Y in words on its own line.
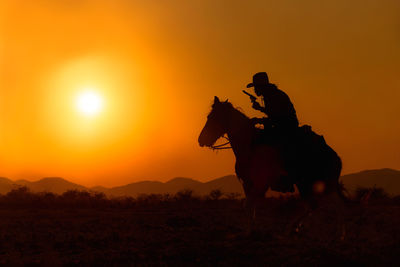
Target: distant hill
column 50, row 184
column 6, row 185
column 227, row 184
column 388, row 179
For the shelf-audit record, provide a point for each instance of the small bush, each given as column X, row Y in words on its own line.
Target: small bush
column 184, row 195
column 365, row 195
column 150, row 199
column 22, row 197
column 215, row 194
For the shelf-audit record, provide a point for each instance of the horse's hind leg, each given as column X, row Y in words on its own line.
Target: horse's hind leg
column 339, row 208
column 309, row 204
column 332, row 203
column 296, row 223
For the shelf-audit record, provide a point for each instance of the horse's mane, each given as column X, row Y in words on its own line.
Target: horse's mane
column 227, row 104
column 239, row 111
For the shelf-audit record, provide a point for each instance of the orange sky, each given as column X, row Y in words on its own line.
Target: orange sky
column 158, row 65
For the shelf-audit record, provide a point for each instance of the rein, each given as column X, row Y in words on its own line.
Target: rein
column 222, row 146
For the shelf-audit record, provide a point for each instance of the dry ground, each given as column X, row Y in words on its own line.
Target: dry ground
column 197, row 232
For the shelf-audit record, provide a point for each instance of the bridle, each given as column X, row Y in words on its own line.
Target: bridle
column 222, row 146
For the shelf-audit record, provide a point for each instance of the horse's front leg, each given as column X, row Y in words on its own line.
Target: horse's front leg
column 250, row 203
column 254, row 198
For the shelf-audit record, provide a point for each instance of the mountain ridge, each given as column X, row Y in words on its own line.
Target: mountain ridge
column 388, row 179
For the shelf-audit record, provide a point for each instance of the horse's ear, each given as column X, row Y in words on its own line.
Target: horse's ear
column 226, row 101
column 216, row 100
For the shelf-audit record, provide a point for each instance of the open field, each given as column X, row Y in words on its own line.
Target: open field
column 190, row 231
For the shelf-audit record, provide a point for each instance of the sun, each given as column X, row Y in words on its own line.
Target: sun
column 89, row 103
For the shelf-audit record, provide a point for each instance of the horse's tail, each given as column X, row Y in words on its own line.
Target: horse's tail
column 340, row 189
column 333, row 170
column 338, row 165
column 342, row 192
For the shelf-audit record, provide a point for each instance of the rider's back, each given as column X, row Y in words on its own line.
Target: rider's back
column 279, row 107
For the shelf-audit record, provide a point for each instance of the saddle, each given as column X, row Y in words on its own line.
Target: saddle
column 302, row 137
column 295, row 148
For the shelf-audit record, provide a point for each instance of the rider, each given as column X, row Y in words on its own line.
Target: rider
column 282, row 118
column 277, row 105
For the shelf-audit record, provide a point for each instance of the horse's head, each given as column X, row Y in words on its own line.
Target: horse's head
column 217, row 122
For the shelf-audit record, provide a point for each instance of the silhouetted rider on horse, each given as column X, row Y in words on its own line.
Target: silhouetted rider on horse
column 281, row 125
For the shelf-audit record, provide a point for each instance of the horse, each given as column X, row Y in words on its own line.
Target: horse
column 261, row 166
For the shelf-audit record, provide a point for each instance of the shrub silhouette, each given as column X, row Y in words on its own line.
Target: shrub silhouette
column 365, row 194
column 151, row 199
column 22, row 197
column 215, row 194
column 19, row 196
column 184, row 195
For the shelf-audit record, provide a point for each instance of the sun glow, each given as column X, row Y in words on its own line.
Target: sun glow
column 89, row 103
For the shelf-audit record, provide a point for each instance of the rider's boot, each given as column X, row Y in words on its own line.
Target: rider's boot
column 284, row 185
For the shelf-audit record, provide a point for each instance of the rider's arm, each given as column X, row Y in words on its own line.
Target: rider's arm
column 264, row 120
column 257, row 120
column 257, row 106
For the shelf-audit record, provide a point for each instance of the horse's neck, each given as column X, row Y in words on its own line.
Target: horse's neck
column 240, row 135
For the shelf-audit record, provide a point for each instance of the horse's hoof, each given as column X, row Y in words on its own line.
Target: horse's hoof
column 343, row 237
column 298, row 228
